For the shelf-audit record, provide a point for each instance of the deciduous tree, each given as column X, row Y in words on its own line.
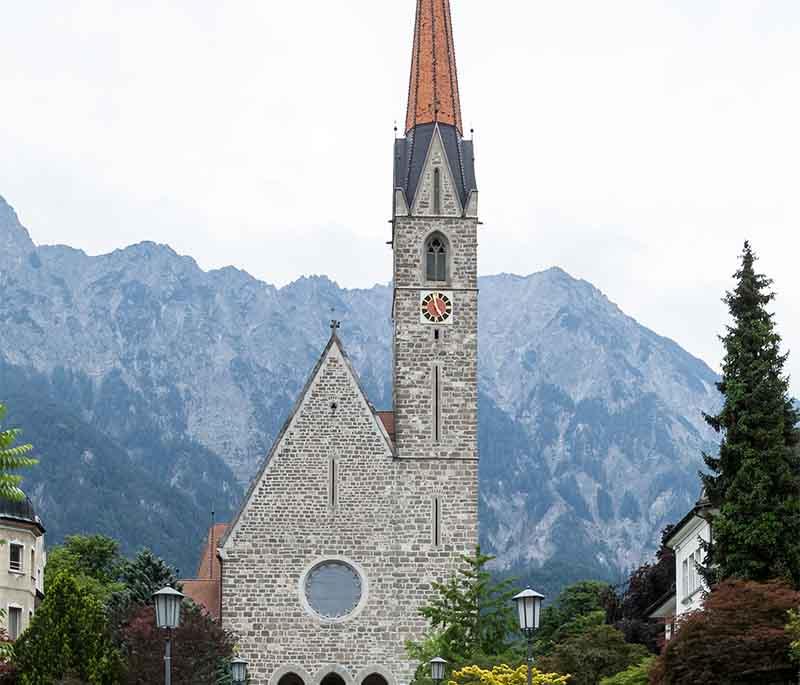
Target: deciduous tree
column 93, row 561
column 754, row 482
column 200, row 648
column 635, row 675
column 740, row 636
column 13, row 457
column 593, row 654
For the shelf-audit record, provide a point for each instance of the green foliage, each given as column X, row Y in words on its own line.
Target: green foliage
column 647, row 585
column 68, row 637
column 141, row 577
column 471, row 613
column 593, row 654
column 740, row 636
column 793, row 630
column 93, row 561
column 635, row 675
column 201, row 648
column 12, row 458
column 579, row 607
column 755, row 480
column 505, row 675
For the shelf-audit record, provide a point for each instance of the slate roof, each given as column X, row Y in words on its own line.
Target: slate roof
column 21, row 511
column 411, row 152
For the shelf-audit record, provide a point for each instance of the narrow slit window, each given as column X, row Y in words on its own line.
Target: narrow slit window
column 436, row 259
column 332, row 494
column 437, row 522
column 437, row 410
column 437, row 191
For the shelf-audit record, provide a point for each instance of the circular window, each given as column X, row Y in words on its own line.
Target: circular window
column 333, row 589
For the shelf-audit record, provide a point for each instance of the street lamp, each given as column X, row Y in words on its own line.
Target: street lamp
column 438, row 666
column 529, row 607
column 168, row 616
column 239, row 670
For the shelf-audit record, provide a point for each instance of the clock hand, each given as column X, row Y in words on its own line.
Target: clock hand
column 437, row 301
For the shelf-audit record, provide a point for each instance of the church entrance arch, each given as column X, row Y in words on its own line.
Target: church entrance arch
column 333, row 679
column 374, row 679
column 291, row 679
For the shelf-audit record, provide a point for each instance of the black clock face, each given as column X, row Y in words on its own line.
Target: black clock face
column 437, row 307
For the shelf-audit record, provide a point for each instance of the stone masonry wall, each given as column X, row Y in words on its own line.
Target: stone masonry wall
column 382, row 525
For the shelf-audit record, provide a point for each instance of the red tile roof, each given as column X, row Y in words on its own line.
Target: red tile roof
column 206, row 589
column 433, row 90
column 387, row 419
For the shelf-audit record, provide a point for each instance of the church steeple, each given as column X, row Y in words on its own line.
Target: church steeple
column 433, row 120
column 433, row 88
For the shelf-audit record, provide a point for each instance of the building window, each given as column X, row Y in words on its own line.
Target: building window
column 33, row 564
column 437, row 397
column 437, row 522
column 332, row 483
column 436, row 259
column 14, row 622
column 15, row 557
column 437, row 191
column 333, row 589
column 685, row 570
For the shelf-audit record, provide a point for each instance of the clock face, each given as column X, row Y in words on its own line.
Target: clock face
column 436, row 307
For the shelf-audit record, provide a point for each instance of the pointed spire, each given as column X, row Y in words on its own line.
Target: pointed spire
column 433, row 90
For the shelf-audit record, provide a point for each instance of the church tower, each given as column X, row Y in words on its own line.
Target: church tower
column 434, row 238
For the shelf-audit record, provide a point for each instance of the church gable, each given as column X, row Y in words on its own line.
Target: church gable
column 437, row 193
column 332, row 449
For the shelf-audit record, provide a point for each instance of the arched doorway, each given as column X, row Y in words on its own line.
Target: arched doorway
column 291, row 679
column 333, row 679
column 374, row 679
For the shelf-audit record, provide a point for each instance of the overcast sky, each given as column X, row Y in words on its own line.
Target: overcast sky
column 634, row 143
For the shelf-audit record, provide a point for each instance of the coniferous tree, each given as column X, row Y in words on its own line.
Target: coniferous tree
column 471, row 616
column 754, row 482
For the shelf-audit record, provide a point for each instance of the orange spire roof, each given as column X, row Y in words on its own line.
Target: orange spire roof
column 433, row 91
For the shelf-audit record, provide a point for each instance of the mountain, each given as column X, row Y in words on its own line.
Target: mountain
column 152, row 389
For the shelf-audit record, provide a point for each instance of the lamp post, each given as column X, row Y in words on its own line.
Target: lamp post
column 239, row 671
column 168, row 616
column 529, row 607
column 438, row 666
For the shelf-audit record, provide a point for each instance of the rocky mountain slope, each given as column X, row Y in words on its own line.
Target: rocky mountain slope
column 178, row 379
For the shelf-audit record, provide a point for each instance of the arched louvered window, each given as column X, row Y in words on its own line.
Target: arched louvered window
column 437, row 191
column 436, row 258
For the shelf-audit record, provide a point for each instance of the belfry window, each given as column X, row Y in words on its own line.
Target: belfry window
column 437, row 191
column 436, row 259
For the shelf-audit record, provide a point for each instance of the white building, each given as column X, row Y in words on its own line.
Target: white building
column 22, row 561
column 686, row 540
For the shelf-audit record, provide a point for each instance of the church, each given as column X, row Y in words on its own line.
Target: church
column 355, row 512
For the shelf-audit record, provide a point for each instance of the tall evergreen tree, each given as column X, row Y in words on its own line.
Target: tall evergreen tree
column 754, row 482
column 12, row 458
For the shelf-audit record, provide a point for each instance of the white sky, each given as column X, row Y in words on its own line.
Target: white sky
column 634, row 143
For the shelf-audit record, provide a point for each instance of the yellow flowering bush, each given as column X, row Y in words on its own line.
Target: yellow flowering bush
column 505, row 675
